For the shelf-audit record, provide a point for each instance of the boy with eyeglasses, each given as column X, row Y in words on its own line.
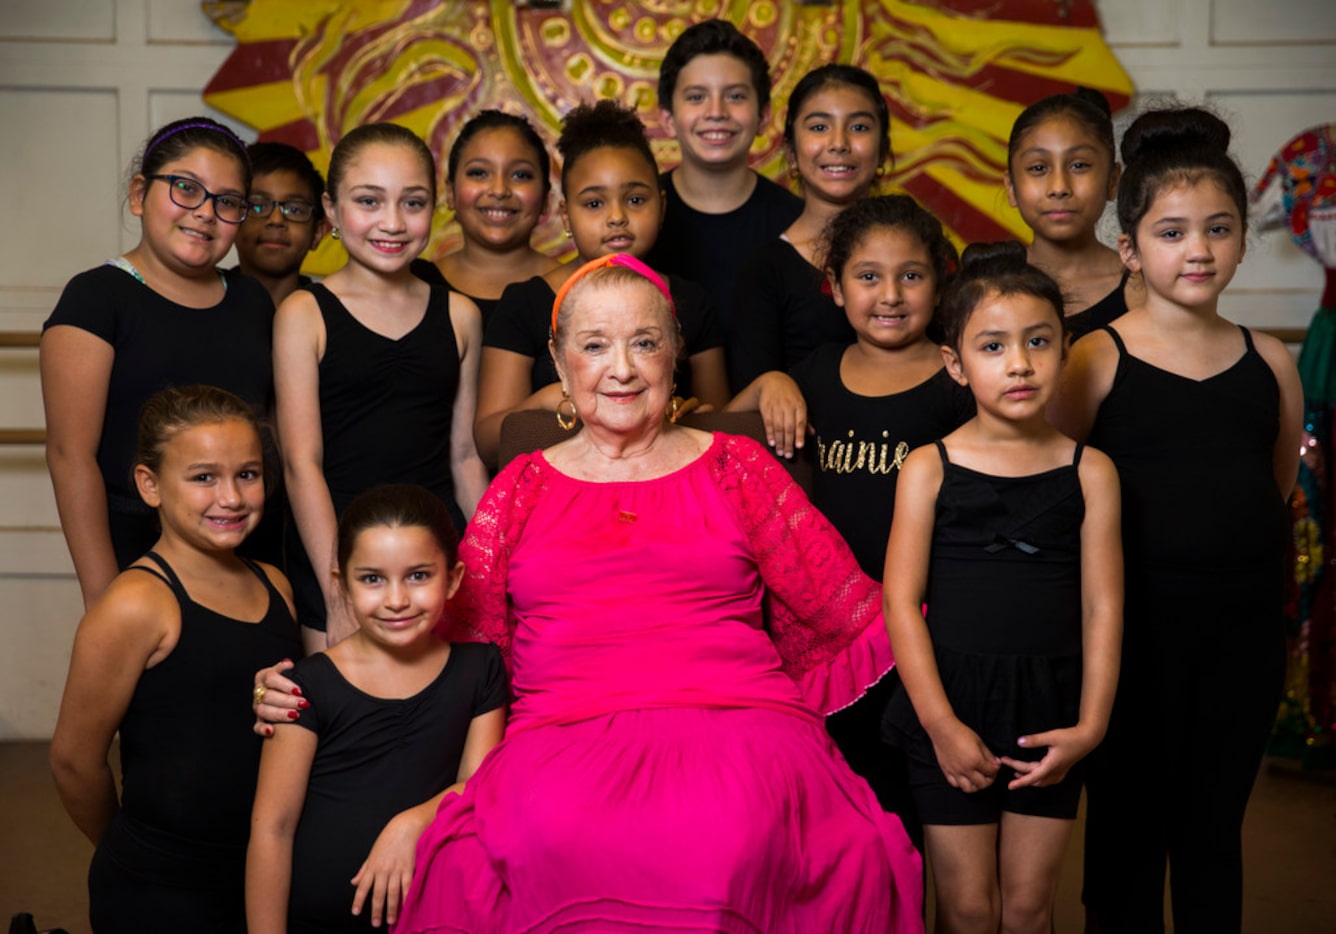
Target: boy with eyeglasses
column 285, row 220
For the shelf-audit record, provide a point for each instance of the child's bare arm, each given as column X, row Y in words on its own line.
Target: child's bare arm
column 121, row 634
column 466, row 466
column 285, row 767
column 967, row 763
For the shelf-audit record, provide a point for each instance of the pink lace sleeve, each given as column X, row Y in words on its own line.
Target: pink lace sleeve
column 824, row 612
column 480, row 610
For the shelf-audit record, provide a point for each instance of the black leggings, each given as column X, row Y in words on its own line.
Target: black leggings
column 1171, row 781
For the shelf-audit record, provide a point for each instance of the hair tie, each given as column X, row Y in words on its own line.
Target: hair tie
column 216, row 127
column 614, row 259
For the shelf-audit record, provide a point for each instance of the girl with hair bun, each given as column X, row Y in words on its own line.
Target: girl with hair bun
column 1008, row 532
column 1061, row 171
column 1196, row 410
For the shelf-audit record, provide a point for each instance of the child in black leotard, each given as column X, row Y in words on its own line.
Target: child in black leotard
column 397, row 719
column 1008, row 532
column 1193, row 410
column 165, row 656
column 1061, row 172
column 376, row 372
column 144, row 321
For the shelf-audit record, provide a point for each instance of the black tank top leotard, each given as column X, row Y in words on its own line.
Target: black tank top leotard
column 1201, row 450
column 1003, row 606
column 386, row 405
column 188, row 761
column 386, row 412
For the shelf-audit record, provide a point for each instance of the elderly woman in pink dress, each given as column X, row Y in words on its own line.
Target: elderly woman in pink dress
column 677, row 619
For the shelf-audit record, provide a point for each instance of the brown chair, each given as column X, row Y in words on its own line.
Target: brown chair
column 534, row 429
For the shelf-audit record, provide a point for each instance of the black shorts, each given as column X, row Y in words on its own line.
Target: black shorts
column 938, row 803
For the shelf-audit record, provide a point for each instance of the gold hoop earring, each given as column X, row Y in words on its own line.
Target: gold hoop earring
column 334, row 232
column 881, row 171
column 674, row 408
column 567, row 422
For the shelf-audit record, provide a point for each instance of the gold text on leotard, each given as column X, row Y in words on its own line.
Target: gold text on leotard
column 876, row 457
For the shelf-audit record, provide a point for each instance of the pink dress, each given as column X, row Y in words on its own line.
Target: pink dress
column 674, row 644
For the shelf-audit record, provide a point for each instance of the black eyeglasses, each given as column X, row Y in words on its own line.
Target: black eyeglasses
column 187, row 193
column 298, row 211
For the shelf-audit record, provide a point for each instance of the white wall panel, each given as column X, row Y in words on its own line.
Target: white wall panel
column 63, row 20
column 177, row 22
column 40, row 614
column 61, row 179
column 1278, row 283
column 1141, row 22
column 1250, row 22
column 27, row 504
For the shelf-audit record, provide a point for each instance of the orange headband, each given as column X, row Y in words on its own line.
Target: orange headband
column 613, row 259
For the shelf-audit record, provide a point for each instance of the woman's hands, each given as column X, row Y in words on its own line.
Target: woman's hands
column 275, row 698
column 967, row 763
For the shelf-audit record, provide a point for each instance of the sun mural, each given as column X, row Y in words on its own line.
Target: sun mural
column 955, row 73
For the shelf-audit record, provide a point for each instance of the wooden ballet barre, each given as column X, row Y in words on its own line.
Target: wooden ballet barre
column 16, row 436
column 22, row 436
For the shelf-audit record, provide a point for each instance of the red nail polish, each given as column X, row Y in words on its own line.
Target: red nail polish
column 293, row 715
column 269, row 731
column 303, row 704
column 296, row 691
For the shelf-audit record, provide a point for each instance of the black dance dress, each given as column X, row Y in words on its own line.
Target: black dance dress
column 1204, row 535
column 1004, row 613
column 174, row 856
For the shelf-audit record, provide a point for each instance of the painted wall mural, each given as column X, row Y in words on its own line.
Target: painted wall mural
column 955, row 73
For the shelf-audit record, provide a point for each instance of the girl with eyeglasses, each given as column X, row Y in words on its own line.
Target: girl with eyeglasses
column 160, row 315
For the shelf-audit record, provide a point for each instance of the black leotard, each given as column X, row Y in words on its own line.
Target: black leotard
column 174, row 856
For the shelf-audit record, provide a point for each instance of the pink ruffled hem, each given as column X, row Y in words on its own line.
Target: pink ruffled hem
column 842, row 680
